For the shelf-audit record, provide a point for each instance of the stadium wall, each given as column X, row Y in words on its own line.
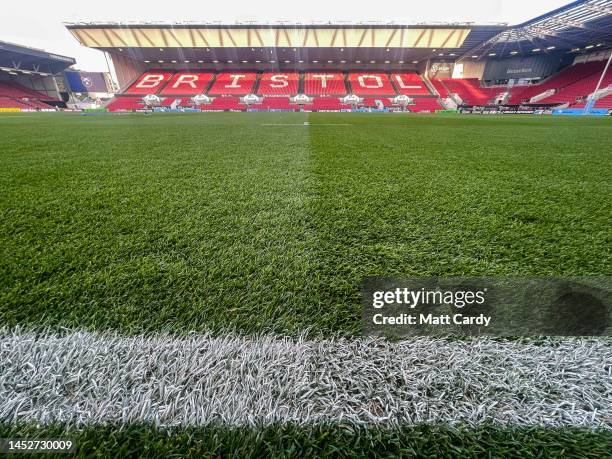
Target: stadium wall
column 440, row 69
column 469, row 69
column 596, row 56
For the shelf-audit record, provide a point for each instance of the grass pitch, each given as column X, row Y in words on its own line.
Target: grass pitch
column 262, row 223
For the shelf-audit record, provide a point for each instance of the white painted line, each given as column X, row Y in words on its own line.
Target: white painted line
column 90, row 378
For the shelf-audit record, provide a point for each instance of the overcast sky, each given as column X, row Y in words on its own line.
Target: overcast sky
column 38, row 23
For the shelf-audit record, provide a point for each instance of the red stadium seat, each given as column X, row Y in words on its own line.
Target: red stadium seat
column 409, row 84
column 6, row 102
column 276, row 103
column 327, row 104
column 470, row 91
column 187, row 83
column 234, row 83
column 425, row 104
column 566, row 77
column 374, row 84
column 125, row 103
column 24, row 97
column 604, row 102
column 440, row 87
column 224, row 103
column 177, row 102
column 324, row 83
column 578, row 90
column 279, row 84
column 149, row 82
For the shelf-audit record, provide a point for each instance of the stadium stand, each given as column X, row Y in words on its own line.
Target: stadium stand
column 279, row 84
column 233, row 83
column 566, row 77
column 6, row 102
column 187, row 83
column 425, row 104
column 327, row 103
column 224, row 103
column 410, row 84
column 125, row 103
column 28, row 78
column 177, row 102
column 604, row 102
column 324, row 83
column 276, row 103
column 24, row 104
column 570, row 86
column 470, row 91
column 370, row 84
column 12, row 95
column 338, row 61
column 150, row 82
column 14, row 90
column 577, row 90
column 440, row 87
column 376, row 102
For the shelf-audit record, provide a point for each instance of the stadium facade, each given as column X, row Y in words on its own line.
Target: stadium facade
column 555, row 60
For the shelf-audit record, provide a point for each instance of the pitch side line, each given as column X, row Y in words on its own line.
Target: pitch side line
column 88, row 378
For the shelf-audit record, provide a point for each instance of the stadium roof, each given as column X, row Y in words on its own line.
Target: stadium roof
column 21, row 59
column 290, row 42
column 576, row 27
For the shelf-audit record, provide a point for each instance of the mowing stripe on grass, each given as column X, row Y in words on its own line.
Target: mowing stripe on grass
column 177, row 223
column 87, row 378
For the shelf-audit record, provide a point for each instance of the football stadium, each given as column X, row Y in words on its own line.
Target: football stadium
column 200, row 244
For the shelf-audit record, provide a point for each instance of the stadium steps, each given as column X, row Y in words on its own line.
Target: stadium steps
column 211, row 83
column 393, row 83
column 441, row 89
column 432, row 89
column 256, row 84
column 347, row 83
